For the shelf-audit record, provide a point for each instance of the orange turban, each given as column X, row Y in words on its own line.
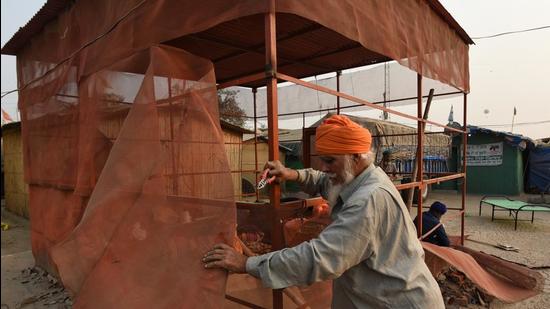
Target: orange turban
column 339, row 135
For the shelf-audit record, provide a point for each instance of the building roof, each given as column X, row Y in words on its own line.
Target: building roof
column 399, row 138
column 229, row 126
column 11, row 125
column 48, row 12
column 515, row 140
column 286, row 135
column 265, row 140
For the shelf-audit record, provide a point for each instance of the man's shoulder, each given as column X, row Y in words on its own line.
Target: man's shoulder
column 367, row 192
column 376, row 183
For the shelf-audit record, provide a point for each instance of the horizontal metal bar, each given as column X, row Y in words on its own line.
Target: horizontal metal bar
column 210, row 173
column 450, row 208
column 359, row 105
column 443, row 178
column 242, row 80
column 360, row 101
column 406, row 134
column 280, row 38
column 439, row 224
column 243, row 302
column 408, row 185
column 258, row 52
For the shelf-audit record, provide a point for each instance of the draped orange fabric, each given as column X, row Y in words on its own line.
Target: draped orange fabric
column 339, row 135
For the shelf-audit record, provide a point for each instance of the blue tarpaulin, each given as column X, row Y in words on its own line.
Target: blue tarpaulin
column 539, row 169
column 514, row 140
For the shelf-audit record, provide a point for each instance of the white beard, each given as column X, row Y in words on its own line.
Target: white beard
column 335, row 189
column 333, row 193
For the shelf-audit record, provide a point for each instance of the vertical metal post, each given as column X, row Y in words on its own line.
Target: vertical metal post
column 419, row 152
column 254, row 91
column 338, row 74
column 464, row 146
column 175, row 182
column 273, row 133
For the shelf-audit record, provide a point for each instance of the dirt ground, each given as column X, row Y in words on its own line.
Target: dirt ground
column 18, row 291
column 530, row 238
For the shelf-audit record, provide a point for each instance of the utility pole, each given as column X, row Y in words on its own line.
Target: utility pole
column 513, row 118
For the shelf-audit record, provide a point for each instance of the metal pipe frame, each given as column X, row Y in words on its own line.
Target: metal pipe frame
column 273, row 133
column 242, row 80
column 175, row 182
column 438, row 225
column 444, row 178
column 222, row 86
column 464, row 147
column 338, row 74
column 272, row 75
column 419, row 154
column 285, row 60
column 408, row 185
column 361, row 101
column 243, row 302
column 254, row 91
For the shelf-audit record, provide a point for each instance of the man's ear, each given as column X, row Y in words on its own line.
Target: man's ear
column 356, row 157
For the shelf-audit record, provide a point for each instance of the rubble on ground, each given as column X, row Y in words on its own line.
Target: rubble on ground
column 459, row 291
column 53, row 295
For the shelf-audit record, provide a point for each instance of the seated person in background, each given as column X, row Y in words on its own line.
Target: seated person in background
column 387, row 165
column 430, row 219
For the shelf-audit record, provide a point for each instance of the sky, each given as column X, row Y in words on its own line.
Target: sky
column 506, row 71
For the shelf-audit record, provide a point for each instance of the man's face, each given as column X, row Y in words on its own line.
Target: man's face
column 338, row 167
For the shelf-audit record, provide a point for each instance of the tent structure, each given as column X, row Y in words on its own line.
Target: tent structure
column 140, row 205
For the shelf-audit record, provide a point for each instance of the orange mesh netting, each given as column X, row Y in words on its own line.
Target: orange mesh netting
column 162, row 193
column 410, row 32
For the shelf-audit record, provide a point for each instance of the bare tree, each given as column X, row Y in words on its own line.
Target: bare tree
column 229, row 108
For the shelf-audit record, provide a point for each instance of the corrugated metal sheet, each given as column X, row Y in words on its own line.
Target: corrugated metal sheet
column 49, row 11
column 304, row 48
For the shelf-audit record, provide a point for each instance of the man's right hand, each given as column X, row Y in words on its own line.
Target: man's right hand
column 277, row 169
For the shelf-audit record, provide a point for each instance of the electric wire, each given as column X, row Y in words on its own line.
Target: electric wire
column 509, row 32
column 113, row 26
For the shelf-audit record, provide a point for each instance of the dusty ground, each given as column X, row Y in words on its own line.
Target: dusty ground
column 21, row 287
column 531, row 239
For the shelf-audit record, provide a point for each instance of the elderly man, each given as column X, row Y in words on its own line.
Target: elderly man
column 370, row 249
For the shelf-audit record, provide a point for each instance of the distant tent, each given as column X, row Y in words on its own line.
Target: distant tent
column 538, row 178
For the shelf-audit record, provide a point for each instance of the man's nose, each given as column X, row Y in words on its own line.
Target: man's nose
column 325, row 168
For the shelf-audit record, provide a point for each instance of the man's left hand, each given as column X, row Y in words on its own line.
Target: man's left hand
column 224, row 256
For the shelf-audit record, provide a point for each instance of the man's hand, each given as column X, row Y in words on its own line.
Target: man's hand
column 277, row 169
column 224, row 256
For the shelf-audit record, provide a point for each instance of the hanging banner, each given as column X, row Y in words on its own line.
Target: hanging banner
column 484, row 154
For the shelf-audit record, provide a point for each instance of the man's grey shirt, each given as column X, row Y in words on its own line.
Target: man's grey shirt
column 370, row 249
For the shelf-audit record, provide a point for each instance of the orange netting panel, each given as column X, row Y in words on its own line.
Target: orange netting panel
column 408, row 31
column 143, row 137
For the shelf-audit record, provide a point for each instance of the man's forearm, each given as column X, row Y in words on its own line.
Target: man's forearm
column 294, row 175
column 311, row 181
